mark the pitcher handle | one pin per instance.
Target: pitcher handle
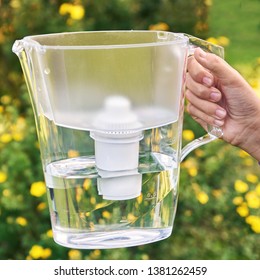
(213, 132)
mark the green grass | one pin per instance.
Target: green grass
(239, 20)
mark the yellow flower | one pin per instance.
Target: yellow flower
(256, 227)
(238, 200)
(145, 257)
(15, 4)
(251, 178)
(74, 254)
(86, 184)
(208, 2)
(77, 12)
(6, 138)
(46, 253)
(64, 8)
(199, 152)
(159, 26)
(38, 189)
(3, 177)
(217, 193)
(223, 41)
(106, 214)
(6, 193)
(95, 254)
(242, 210)
(188, 135)
(243, 154)
(140, 199)
(241, 186)
(79, 193)
(193, 171)
(73, 153)
(212, 40)
(6, 99)
(218, 219)
(253, 201)
(36, 251)
(253, 83)
(93, 200)
(257, 189)
(21, 221)
(41, 206)
(248, 162)
(254, 222)
(17, 136)
(252, 219)
(100, 205)
(131, 217)
(190, 162)
(49, 233)
(202, 197)
(191, 166)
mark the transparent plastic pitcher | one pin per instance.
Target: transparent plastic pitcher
(109, 112)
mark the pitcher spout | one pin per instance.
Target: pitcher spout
(18, 48)
(21, 49)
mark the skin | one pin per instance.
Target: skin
(218, 95)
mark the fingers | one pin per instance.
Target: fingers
(202, 91)
(205, 110)
(199, 73)
(202, 118)
(214, 64)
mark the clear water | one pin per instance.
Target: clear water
(82, 218)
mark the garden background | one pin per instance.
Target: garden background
(218, 213)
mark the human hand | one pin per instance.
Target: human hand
(218, 95)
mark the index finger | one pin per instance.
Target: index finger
(198, 73)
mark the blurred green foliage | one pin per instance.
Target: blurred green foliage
(218, 216)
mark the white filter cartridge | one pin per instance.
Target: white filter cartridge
(117, 137)
(119, 185)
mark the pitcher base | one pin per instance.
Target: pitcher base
(114, 239)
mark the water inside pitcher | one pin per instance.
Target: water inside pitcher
(109, 113)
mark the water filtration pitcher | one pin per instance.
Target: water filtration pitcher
(109, 109)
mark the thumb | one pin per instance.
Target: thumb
(216, 65)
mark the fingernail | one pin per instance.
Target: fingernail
(207, 81)
(215, 96)
(221, 113)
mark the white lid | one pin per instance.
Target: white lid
(117, 116)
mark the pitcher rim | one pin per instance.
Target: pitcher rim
(180, 38)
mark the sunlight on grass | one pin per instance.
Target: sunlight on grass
(240, 22)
